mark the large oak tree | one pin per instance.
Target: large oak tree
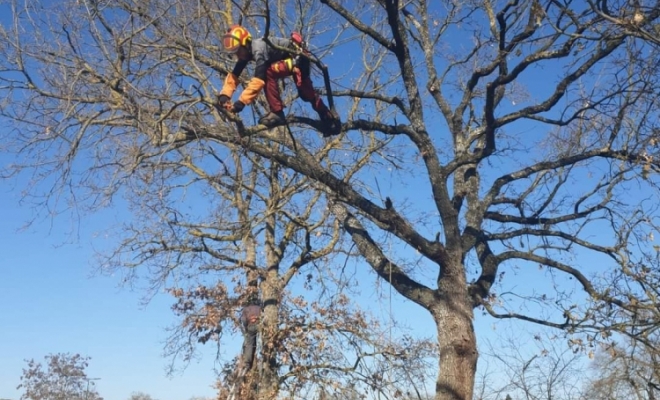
(480, 139)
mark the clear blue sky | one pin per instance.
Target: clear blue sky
(50, 303)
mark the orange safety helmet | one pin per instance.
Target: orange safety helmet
(236, 37)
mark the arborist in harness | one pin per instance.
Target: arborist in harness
(272, 64)
(249, 319)
(250, 323)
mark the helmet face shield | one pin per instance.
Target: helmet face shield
(236, 37)
(230, 43)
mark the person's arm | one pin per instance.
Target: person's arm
(231, 80)
(260, 57)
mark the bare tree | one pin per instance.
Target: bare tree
(140, 396)
(62, 378)
(497, 202)
(627, 371)
(546, 369)
(213, 224)
(529, 128)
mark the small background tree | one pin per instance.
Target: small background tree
(63, 377)
(626, 371)
(140, 396)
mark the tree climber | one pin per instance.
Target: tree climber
(272, 64)
(250, 323)
(250, 326)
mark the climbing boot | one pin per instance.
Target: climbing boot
(331, 124)
(273, 119)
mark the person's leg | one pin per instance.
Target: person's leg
(249, 346)
(272, 89)
(306, 91)
(274, 73)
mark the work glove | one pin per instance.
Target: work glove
(222, 99)
(237, 107)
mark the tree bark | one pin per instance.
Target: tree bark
(453, 315)
(268, 381)
(450, 305)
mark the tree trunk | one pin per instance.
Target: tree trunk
(453, 315)
(269, 380)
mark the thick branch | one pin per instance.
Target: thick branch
(384, 267)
